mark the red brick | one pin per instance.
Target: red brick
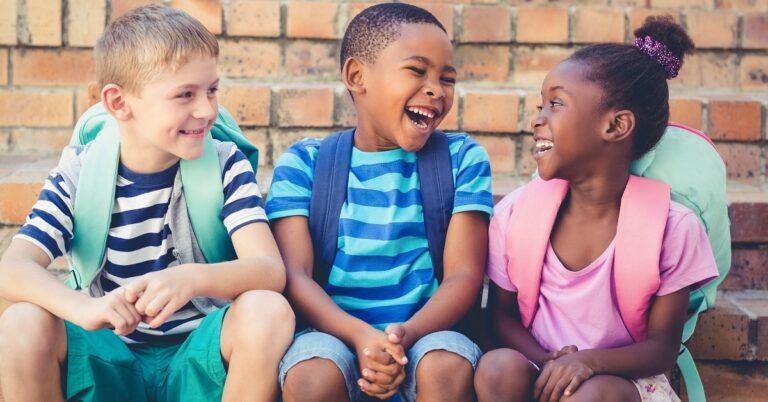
(254, 18)
(120, 7)
(721, 333)
(743, 5)
(501, 152)
(85, 21)
(754, 73)
(36, 109)
(749, 270)
(3, 66)
(637, 17)
(312, 60)
(677, 4)
(483, 63)
(734, 119)
(593, 25)
(312, 20)
(733, 381)
(531, 19)
(282, 139)
(84, 100)
(53, 67)
(249, 104)
(44, 22)
(708, 70)
(749, 220)
(8, 22)
(246, 59)
(491, 111)
(451, 120)
(712, 29)
(353, 9)
(443, 13)
(14, 209)
(527, 163)
(40, 141)
(686, 111)
(260, 138)
(532, 65)
(755, 34)
(305, 107)
(742, 161)
(346, 115)
(486, 24)
(208, 12)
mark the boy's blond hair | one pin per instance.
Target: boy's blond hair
(139, 45)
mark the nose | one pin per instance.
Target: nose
(434, 91)
(538, 120)
(206, 108)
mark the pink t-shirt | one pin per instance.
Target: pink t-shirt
(579, 308)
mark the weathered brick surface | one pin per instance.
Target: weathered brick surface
(676, 4)
(596, 25)
(735, 119)
(686, 111)
(722, 333)
(501, 151)
(250, 105)
(531, 19)
(8, 19)
(749, 269)
(254, 18)
(44, 22)
(532, 65)
(53, 67)
(36, 109)
(451, 120)
(749, 222)
(638, 15)
(443, 13)
(260, 138)
(486, 24)
(312, 20)
(249, 59)
(4, 66)
(305, 107)
(742, 161)
(491, 111)
(208, 12)
(707, 70)
(712, 29)
(743, 5)
(312, 60)
(755, 33)
(85, 21)
(732, 382)
(120, 7)
(482, 63)
(754, 73)
(40, 141)
(345, 115)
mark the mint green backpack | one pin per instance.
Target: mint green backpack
(687, 160)
(202, 187)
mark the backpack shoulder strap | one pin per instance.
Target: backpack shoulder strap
(329, 191)
(639, 236)
(437, 194)
(528, 232)
(92, 210)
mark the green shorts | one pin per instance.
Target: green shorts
(101, 367)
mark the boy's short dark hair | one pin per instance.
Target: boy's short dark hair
(376, 27)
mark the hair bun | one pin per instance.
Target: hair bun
(664, 29)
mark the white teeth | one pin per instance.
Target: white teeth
(543, 146)
(422, 111)
(420, 124)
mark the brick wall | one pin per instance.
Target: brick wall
(280, 71)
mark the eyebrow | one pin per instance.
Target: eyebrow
(186, 86)
(426, 61)
(556, 87)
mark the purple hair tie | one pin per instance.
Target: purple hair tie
(659, 52)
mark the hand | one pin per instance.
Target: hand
(382, 375)
(398, 335)
(561, 377)
(157, 295)
(109, 311)
(562, 352)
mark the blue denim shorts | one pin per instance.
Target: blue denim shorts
(321, 345)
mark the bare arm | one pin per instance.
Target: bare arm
(508, 329)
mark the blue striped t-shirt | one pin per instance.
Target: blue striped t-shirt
(382, 272)
(140, 239)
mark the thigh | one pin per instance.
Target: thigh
(100, 366)
(449, 341)
(196, 371)
(606, 388)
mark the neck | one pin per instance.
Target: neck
(598, 195)
(369, 140)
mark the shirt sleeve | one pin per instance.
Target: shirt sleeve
(242, 198)
(291, 189)
(473, 177)
(496, 266)
(686, 256)
(49, 225)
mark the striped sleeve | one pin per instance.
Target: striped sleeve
(473, 176)
(291, 189)
(49, 225)
(242, 199)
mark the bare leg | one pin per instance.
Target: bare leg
(605, 388)
(504, 375)
(444, 376)
(315, 380)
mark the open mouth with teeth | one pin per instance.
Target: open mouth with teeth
(422, 117)
(195, 132)
(542, 146)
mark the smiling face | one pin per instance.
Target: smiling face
(171, 115)
(569, 127)
(404, 95)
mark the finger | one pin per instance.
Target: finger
(546, 393)
(395, 333)
(117, 322)
(541, 381)
(378, 356)
(131, 317)
(376, 377)
(134, 289)
(557, 391)
(390, 369)
(371, 389)
(146, 297)
(573, 385)
(166, 313)
(397, 352)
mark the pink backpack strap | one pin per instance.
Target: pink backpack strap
(528, 231)
(639, 235)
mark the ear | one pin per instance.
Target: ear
(621, 124)
(113, 98)
(352, 75)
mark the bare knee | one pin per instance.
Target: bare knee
(315, 380)
(449, 370)
(503, 374)
(31, 333)
(262, 314)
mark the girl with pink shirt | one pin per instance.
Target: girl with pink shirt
(602, 108)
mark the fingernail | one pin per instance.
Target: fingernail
(405, 360)
(366, 352)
